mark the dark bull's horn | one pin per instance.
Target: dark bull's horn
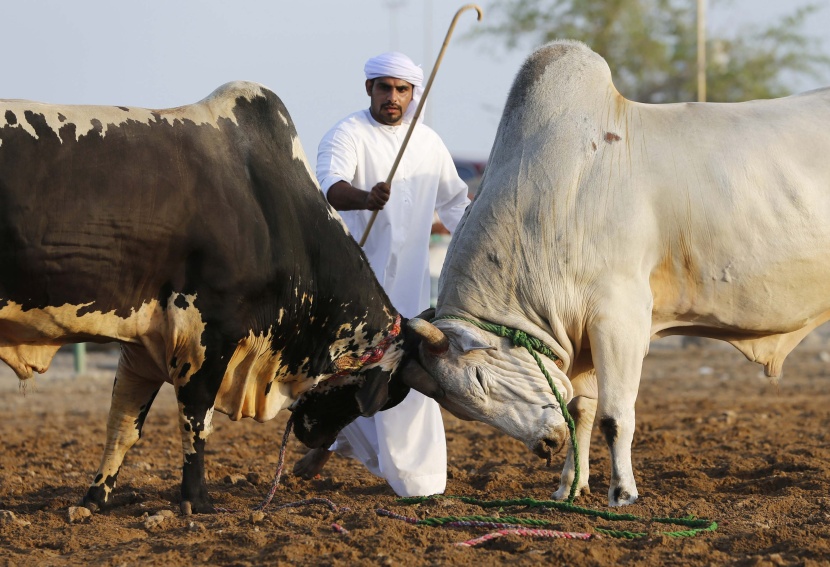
(434, 340)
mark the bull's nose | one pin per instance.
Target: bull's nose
(552, 444)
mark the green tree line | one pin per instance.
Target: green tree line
(651, 46)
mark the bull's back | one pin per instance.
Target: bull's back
(741, 194)
(102, 209)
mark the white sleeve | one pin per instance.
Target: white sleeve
(336, 159)
(452, 198)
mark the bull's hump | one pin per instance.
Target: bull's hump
(71, 122)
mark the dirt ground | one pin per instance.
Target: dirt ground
(714, 440)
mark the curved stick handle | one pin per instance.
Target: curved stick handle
(421, 106)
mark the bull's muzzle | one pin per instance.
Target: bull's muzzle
(549, 446)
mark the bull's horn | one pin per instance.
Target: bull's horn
(434, 339)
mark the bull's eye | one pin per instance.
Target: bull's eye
(482, 381)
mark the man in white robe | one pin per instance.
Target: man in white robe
(406, 444)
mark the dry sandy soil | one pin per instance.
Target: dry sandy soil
(714, 440)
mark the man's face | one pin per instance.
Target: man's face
(390, 99)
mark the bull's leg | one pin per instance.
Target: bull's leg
(196, 423)
(196, 395)
(618, 343)
(132, 395)
(583, 410)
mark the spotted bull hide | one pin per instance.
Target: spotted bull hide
(198, 238)
(602, 224)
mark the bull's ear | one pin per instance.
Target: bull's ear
(373, 394)
(467, 341)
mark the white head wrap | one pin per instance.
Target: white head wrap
(397, 65)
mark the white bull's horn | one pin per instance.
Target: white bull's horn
(434, 339)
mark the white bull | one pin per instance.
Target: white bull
(603, 223)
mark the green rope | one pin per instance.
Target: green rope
(534, 346)
(491, 519)
(696, 525)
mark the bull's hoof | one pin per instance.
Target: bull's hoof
(619, 496)
(312, 463)
(190, 507)
(94, 499)
(565, 490)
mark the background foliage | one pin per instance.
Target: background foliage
(651, 46)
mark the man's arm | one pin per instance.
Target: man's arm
(343, 197)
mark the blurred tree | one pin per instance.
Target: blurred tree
(651, 46)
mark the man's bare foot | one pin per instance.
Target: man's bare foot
(312, 463)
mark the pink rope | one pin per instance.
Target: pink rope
(388, 514)
(275, 483)
(339, 529)
(332, 506)
(280, 464)
(526, 532)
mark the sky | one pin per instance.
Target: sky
(163, 53)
